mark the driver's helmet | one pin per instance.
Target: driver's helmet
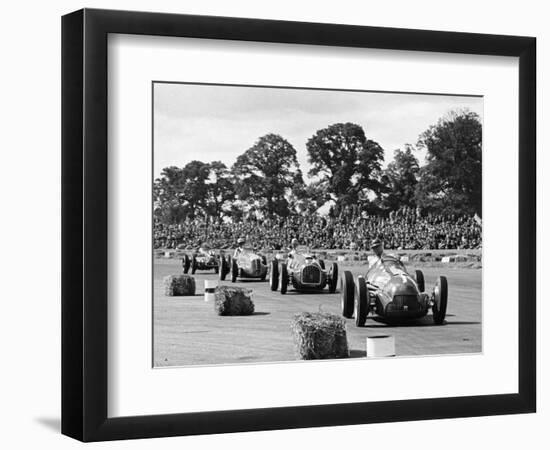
(375, 243)
(240, 241)
(294, 243)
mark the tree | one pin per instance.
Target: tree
(219, 189)
(196, 189)
(400, 180)
(309, 198)
(450, 182)
(169, 202)
(193, 187)
(266, 173)
(346, 162)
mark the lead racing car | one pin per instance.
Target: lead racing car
(247, 264)
(206, 260)
(304, 272)
(389, 291)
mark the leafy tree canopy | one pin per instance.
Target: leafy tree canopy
(450, 182)
(400, 180)
(266, 173)
(345, 161)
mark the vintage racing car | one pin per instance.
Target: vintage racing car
(248, 264)
(304, 271)
(392, 293)
(200, 261)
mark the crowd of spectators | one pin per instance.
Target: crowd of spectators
(405, 229)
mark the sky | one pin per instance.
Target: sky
(218, 123)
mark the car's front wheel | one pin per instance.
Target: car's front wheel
(234, 270)
(347, 294)
(274, 275)
(283, 277)
(194, 264)
(186, 263)
(420, 280)
(439, 308)
(333, 278)
(223, 268)
(362, 303)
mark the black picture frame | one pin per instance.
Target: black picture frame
(84, 224)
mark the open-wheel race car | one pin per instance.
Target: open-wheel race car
(247, 264)
(304, 272)
(200, 261)
(390, 292)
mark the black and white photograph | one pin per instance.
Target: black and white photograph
(298, 224)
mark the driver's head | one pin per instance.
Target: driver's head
(377, 246)
(294, 243)
(240, 242)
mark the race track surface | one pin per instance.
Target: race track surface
(187, 331)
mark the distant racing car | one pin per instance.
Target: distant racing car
(389, 291)
(200, 261)
(304, 272)
(248, 264)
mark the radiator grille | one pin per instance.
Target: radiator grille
(410, 301)
(256, 266)
(311, 274)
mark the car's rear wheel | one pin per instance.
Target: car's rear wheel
(283, 278)
(194, 264)
(419, 276)
(234, 270)
(439, 308)
(223, 267)
(347, 294)
(186, 263)
(362, 303)
(274, 275)
(333, 278)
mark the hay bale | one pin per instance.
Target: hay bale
(233, 301)
(320, 336)
(176, 285)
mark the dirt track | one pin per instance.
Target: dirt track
(188, 332)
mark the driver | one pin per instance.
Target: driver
(240, 247)
(293, 246)
(204, 249)
(377, 246)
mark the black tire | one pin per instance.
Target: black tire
(347, 294)
(234, 270)
(186, 263)
(223, 268)
(322, 264)
(274, 275)
(420, 280)
(194, 265)
(333, 280)
(439, 308)
(362, 302)
(283, 277)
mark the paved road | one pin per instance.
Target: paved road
(187, 331)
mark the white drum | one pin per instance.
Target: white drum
(380, 346)
(209, 290)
